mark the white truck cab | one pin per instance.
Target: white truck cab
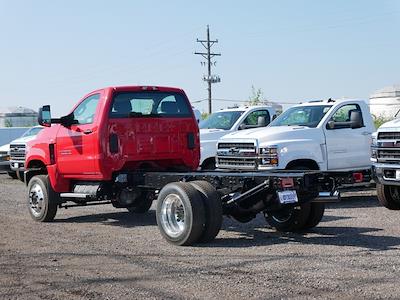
(386, 164)
(320, 135)
(226, 121)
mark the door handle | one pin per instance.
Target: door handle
(88, 131)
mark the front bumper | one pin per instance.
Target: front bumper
(387, 174)
(5, 166)
(17, 165)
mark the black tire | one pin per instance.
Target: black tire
(143, 205)
(12, 174)
(388, 196)
(180, 213)
(317, 211)
(42, 200)
(289, 218)
(209, 165)
(213, 210)
(20, 175)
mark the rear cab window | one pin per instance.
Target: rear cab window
(153, 104)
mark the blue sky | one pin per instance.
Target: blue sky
(54, 52)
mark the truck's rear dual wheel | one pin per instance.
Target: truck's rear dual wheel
(189, 212)
(213, 209)
(388, 196)
(180, 213)
(42, 199)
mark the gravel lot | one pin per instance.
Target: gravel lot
(103, 253)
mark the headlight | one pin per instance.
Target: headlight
(374, 145)
(374, 141)
(268, 156)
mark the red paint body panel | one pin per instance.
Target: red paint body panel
(82, 152)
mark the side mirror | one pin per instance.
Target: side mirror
(44, 117)
(356, 119)
(262, 121)
(331, 125)
(68, 120)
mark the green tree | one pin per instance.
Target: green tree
(256, 97)
(8, 123)
(379, 120)
(204, 115)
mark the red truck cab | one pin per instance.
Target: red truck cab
(116, 129)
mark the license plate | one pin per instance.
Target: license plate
(398, 174)
(15, 165)
(286, 197)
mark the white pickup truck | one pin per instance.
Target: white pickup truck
(386, 164)
(320, 135)
(226, 121)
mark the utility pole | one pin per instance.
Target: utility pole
(207, 44)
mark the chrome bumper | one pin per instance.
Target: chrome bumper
(386, 173)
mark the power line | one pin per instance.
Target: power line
(207, 44)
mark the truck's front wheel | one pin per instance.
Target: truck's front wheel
(388, 196)
(42, 200)
(180, 213)
(289, 218)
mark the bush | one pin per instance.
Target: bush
(378, 121)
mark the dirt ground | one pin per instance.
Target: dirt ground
(100, 252)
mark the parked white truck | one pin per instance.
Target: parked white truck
(227, 121)
(386, 164)
(319, 135)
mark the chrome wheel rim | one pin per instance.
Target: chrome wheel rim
(173, 216)
(36, 200)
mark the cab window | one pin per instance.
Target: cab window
(252, 118)
(343, 113)
(84, 113)
(149, 104)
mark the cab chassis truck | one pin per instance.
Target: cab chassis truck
(128, 146)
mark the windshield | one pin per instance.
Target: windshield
(32, 131)
(309, 116)
(221, 120)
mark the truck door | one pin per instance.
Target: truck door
(347, 148)
(77, 145)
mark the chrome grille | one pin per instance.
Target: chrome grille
(236, 155)
(237, 163)
(249, 146)
(389, 136)
(388, 147)
(17, 152)
(389, 155)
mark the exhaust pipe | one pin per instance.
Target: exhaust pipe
(328, 197)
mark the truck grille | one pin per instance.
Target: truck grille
(237, 155)
(389, 136)
(389, 155)
(17, 152)
(248, 146)
(388, 147)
